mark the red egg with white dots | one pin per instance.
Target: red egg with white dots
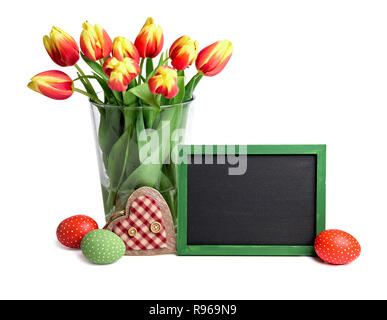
(71, 231)
(337, 247)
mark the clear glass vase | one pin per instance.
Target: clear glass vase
(136, 147)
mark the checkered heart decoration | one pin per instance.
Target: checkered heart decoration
(146, 226)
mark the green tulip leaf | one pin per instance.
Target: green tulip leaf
(148, 174)
(109, 96)
(180, 96)
(129, 99)
(142, 91)
(149, 67)
(130, 121)
(95, 66)
(104, 139)
(109, 130)
(161, 62)
(190, 87)
(149, 117)
(117, 159)
(140, 128)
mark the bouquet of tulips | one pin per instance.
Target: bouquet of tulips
(138, 97)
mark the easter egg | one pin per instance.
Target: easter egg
(337, 247)
(71, 231)
(102, 247)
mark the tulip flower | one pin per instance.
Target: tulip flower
(150, 40)
(61, 47)
(120, 72)
(164, 82)
(212, 59)
(123, 48)
(95, 42)
(53, 84)
(183, 52)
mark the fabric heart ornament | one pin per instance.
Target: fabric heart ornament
(144, 229)
(146, 226)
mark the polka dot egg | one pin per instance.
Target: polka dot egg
(337, 247)
(71, 231)
(102, 247)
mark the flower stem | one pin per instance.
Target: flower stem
(141, 65)
(95, 99)
(158, 98)
(82, 77)
(111, 199)
(80, 70)
(85, 78)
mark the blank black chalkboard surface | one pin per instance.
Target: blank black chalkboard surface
(250, 200)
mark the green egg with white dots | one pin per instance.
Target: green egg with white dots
(102, 247)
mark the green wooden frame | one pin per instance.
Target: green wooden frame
(249, 250)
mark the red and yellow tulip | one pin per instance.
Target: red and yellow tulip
(61, 47)
(95, 42)
(123, 48)
(212, 59)
(183, 52)
(150, 40)
(164, 82)
(122, 62)
(120, 72)
(53, 84)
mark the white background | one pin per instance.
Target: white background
(302, 72)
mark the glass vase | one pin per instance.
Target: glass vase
(136, 147)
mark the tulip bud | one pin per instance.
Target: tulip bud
(164, 82)
(123, 48)
(120, 72)
(61, 47)
(95, 42)
(212, 59)
(150, 40)
(53, 84)
(183, 52)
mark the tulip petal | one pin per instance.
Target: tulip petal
(181, 61)
(213, 59)
(164, 82)
(53, 84)
(150, 40)
(95, 42)
(183, 52)
(61, 47)
(123, 48)
(116, 82)
(54, 93)
(120, 72)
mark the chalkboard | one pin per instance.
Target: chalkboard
(275, 206)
